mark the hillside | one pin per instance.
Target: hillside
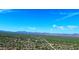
(32, 41)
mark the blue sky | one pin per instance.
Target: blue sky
(40, 20)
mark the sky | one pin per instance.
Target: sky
(40, 20)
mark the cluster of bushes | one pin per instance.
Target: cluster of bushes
(12, 41)
(22, 42)
(64, 43)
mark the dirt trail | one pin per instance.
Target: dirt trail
(49, 44)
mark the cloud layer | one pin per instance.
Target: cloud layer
(31, 28)
(68, 27)
(68, 16)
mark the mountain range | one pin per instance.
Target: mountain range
(38, 33)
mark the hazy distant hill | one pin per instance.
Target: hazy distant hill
(38, 33)
(23, 40)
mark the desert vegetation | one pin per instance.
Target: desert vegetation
(14, 41)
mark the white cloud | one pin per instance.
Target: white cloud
(61, 27)
(54, 25)
(57, 27)
(68, 27)
(72, 27)
(68, 16)
(31, 28)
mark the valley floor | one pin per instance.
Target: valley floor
(38, 42)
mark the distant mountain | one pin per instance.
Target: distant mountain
(34, 33)
(48, 34)
(38, 33)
